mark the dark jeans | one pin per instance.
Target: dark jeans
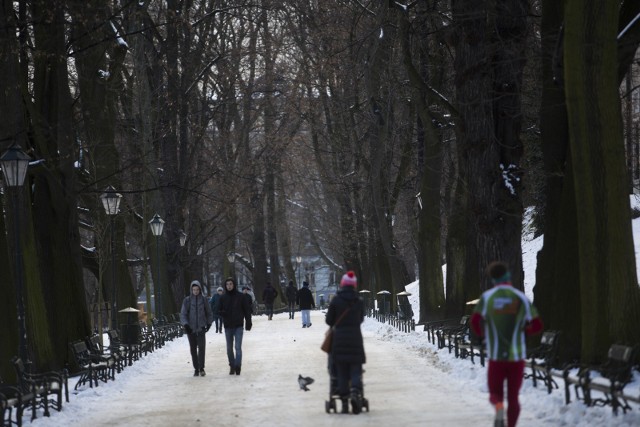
(269, 309)
(234, 334)
(292, 309)
(217, 319)
(197, 344)
(349, 374)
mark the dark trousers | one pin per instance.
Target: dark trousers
(269, 309)
(218, 322)
(197, 344)
(292, 309)
(349, 374)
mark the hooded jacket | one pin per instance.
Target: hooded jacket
(196, 312)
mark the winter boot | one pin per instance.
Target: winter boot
(232, 370)
(202, 373)
(345, 405)
(237, 370)
(356, 401)
(196, 373)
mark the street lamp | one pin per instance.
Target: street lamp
(183, 241)
(156, 225)
(231, 256)
(111, 203)
(14, 164)
(299, 261)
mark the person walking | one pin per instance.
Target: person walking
(269, 295)
(213, 302)
(292, 297)
(345, 314)
(504, 316)
(196, 318)
(235, 309)
(248, 293)
(305, 300)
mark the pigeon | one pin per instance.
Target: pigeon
(303, 382)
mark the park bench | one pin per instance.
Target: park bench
(446, 334)
(176, 329)
(603, 384)
(112, 355)
(90, 370)
(432, 326)
(147, 339)
(40, 390)
(131, 349)
(468, 344)
(542, 361)
(11, 406)
(629, 394)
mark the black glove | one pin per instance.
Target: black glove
(248, 326)
(207, 328)
(187, 329)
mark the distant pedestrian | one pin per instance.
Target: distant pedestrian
(292, 296)
(248, 293)
(235, 309)
(345, 314)
(269, 295)
(196, 317)
(213, 302)
(306, 303)
(508, 317)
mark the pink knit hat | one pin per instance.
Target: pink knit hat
(349, 279)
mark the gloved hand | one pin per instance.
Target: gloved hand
(187, 329)
(248, 326)
(207, 328)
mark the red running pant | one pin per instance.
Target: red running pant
(512, 372)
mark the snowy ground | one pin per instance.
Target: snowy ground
(408, 382)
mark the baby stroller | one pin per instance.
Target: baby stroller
(331, 405)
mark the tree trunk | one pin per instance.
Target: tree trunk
(608, 283)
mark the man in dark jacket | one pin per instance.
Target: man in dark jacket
(292, 296)
(306, 303)
(268, 297)
(196, 317)
(235, 309)
(345, 314)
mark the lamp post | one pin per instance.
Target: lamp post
(183, 241)
(14, 164)
(156, 225)
(299, 261)
(111, 203)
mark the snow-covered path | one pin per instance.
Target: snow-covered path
(407, 383)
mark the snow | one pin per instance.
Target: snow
(408, 382)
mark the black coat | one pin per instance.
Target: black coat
(305, 299)
(235, 308)
(347, 346)
(269, 294)
(292, 294)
